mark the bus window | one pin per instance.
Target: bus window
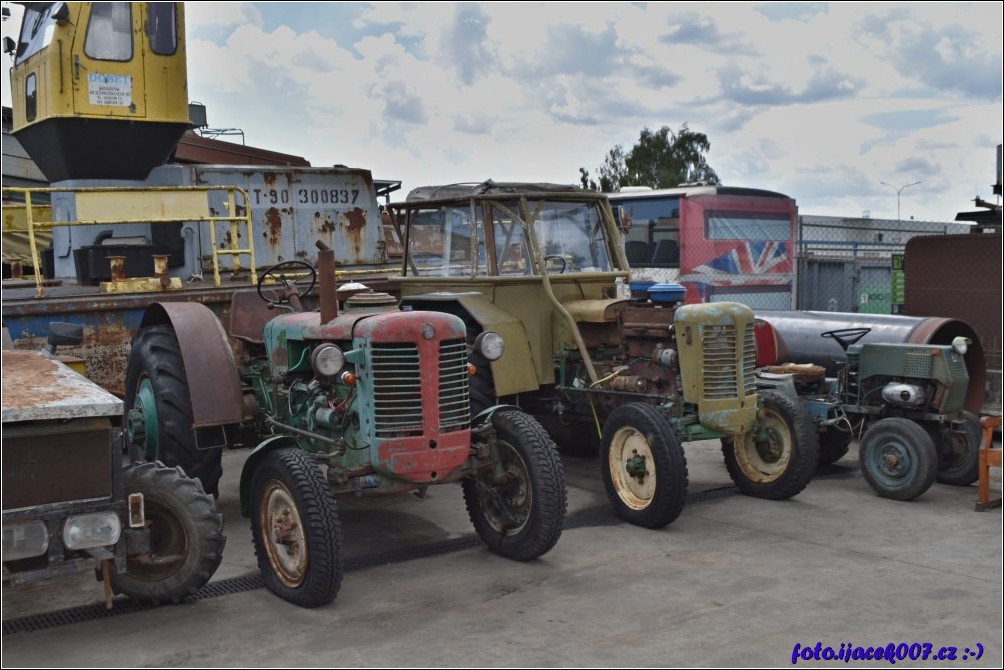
(109, 32)
(653, 235)
(725, 225)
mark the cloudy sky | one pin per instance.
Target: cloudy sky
(821, 101)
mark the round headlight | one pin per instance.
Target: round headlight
(490, 345)
(961, 345)
(327, 360)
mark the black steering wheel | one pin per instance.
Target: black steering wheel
(845, 337)
(276, 273)
(557, 257)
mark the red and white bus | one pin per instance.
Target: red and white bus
(722, 243)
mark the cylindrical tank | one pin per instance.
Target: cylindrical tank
(800, 334)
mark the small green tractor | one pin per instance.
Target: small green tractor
(904, 403)
(630, 375)
(365, 399)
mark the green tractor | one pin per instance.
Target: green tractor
(628, 375)
(358, 401)
(904, 403)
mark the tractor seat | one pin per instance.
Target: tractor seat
(249, 314)
(804, 373)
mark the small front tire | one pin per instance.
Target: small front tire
(898, 458)
(518, 506)
(643, 465)
(295, 528)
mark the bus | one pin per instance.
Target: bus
(722, 243)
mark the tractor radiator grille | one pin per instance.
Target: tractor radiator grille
(722, 379)
(397, 389)
(454, 398)
(917, 365)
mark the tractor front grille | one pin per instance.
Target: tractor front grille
(454, 397)
(398, 408)
(397, 389)
(722, 378)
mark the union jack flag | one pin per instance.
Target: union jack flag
(748, 258)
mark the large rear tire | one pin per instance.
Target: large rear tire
(295, 528)
(643, 466)
(898, 458)
(159, 406)
(778, 458)
(186, 536)
(833, 445)
(518, 507)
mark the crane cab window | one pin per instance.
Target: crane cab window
(109, 32)
(37, 29)
(161, 28)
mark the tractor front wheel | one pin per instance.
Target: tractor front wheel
(186, 536)
(898, 458)
(643, 466)
(518, 506)
(295, 528)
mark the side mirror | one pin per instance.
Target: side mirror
(65, 334)
(9, 45)
(61, 13)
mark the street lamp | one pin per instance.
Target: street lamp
(898, 191)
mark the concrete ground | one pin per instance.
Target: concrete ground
(734, 582)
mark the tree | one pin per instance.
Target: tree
(660, 159)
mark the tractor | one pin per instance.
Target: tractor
(903, 402)
(356, 398)
(629, 374)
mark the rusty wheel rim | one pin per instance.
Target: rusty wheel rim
(765, 460)
(282, 533)
(507, 499)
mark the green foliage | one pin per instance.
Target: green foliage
(660, 159)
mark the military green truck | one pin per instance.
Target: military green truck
(633, 375)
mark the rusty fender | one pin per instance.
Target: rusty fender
(210, 369)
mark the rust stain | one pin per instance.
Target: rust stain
(269, 178)
(273, 220)
(357, 223)
(324, 224)
(239, 210)
(30, 380)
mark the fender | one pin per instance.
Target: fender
(210, 369)
(485, 415)
(271, 444)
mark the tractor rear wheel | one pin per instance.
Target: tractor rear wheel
(158, 408)
(962, 468)
(778, 458)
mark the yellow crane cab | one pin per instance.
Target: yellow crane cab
(99, 89)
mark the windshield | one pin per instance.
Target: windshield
(450, 240)
(37, 28)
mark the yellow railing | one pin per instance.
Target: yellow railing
(162, 204)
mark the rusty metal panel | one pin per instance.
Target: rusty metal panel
(36, 388)
(292, 208)
(959, 277)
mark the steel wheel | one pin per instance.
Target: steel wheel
(630, 462)
(898, 458)
(285, 544)
(762, 455)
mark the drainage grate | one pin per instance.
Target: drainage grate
(225, 587)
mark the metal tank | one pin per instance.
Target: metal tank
(800, 335)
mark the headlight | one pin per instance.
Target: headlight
(327, 360)
(961, 345)
(85, 531)
(24, 540)
(490, 345)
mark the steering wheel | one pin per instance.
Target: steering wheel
(279, 278)
(557, 257)
(845, 337)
